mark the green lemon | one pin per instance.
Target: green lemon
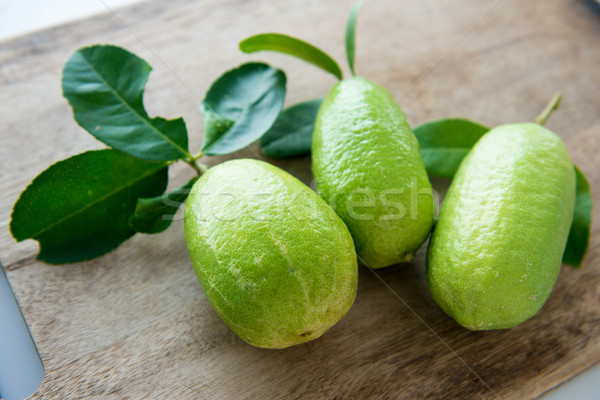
(274, 260)
(367, 166)
(497, 248)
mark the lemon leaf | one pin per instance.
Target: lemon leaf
(351, 35)
(579, 235)
(78, 208)
(444, 143)
(155, 214)
(291, 134)
(292, 46)
(105, 87)
(241, 106)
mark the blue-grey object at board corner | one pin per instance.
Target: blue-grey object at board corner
(21, 369)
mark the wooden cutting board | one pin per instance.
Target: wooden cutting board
(135, 323)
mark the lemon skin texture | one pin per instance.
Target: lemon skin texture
(274, 260)
(497, 247)
(367, 166)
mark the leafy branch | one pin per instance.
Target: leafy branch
(87, 205)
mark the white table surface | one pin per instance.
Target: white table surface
(18, 17)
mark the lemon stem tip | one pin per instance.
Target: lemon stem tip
(553, 105)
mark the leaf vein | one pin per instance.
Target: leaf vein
(93, 203)
(145, 121)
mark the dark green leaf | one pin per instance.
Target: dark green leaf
(105, 87)
(291, 134)
(351, 35)
(241, 106)
(78, 208)
(579, 236)
(155, 214)
(292, 46)
(444, 144)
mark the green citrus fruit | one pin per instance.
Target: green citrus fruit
(274, 260)
(367, 166)
(497, 248)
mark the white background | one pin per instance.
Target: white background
(23, 16)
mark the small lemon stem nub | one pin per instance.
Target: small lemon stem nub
(554, 104)
(198, 167)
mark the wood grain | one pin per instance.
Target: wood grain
(135, 323)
